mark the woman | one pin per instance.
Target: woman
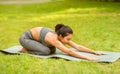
(44, 41)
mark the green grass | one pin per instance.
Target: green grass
(96, 25)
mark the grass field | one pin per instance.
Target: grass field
(96, 26)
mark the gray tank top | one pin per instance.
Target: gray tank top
(43, 33)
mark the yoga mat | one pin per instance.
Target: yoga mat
(109, 57)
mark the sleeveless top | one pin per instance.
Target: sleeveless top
(43, 33)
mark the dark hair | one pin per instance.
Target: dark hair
(63, 30)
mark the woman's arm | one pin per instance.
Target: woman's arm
(83, 49)
(60, 46)
(53, 40)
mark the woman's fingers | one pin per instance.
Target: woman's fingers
(94, 59)
(100, 53)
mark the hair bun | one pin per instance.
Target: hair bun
(58, 26)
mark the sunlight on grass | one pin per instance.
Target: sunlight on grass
(71, 12)
(95, 25)
(81, 10)
(101, 35)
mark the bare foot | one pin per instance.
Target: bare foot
(23, 50)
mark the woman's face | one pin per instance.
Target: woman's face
(66, 39)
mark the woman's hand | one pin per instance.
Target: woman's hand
(99, 53)
(93, 59)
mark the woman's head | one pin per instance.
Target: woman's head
(64, 33)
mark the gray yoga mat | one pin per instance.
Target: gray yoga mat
(109, 57)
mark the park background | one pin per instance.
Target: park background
(96, 25)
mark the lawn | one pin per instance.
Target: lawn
(96, 25)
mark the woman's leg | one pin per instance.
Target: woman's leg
(33, 46)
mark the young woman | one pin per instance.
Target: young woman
(44, 41)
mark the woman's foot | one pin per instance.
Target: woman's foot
(23, 50)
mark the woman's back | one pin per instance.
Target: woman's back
(36, 33)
